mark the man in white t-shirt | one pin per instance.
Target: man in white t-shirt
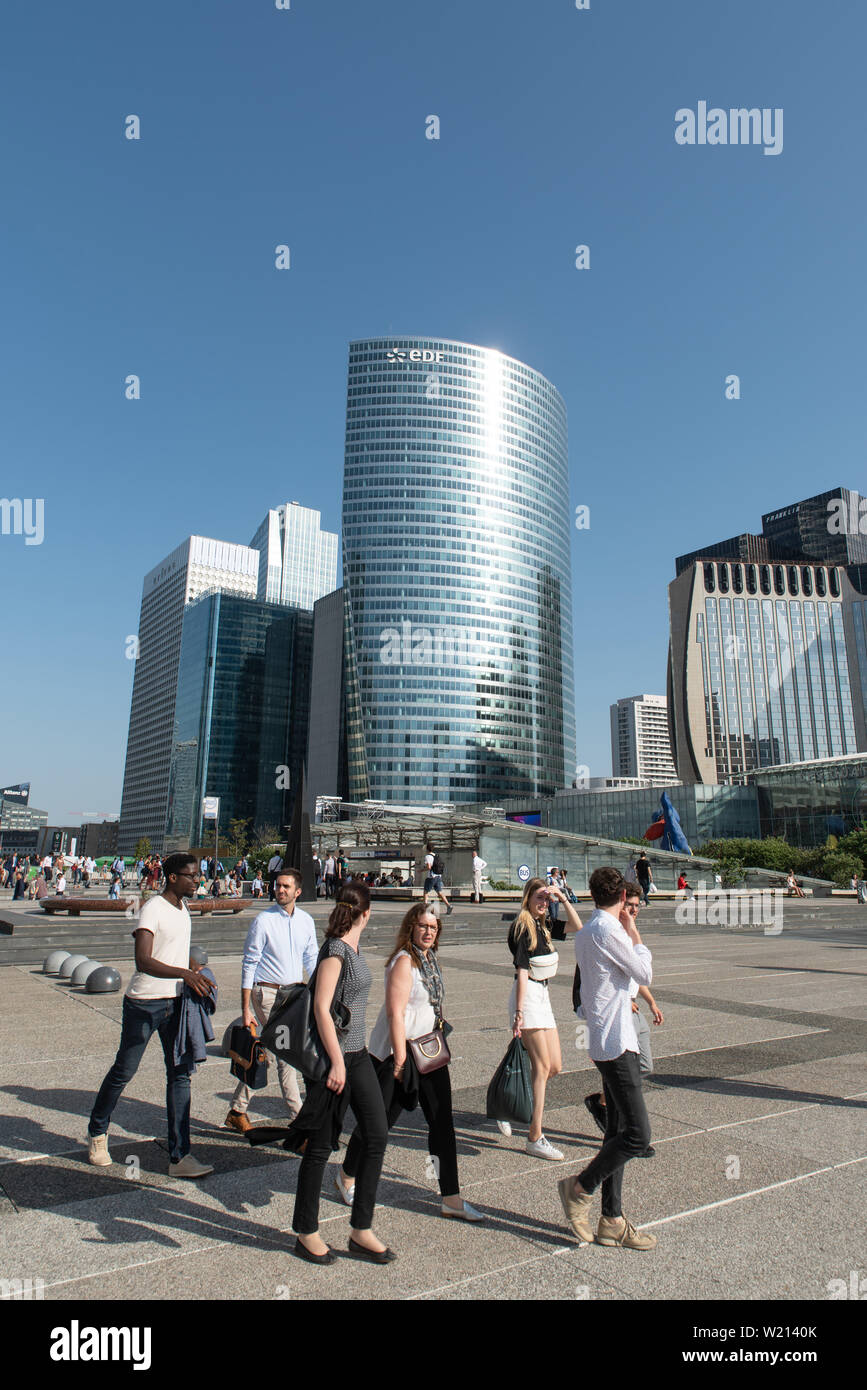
(152, 1004)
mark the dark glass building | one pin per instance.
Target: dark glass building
(241, 714)
(457, 575)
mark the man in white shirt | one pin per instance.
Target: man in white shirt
(152, 1003)
(479, 866)
(610, 956)
(280, 946)
(275, 863)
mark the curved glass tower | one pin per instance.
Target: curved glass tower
(456, 568)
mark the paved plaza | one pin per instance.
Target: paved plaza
(757, 1107)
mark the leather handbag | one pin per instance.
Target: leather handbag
(249, 1059)
(291, 1032)
(430, 1051)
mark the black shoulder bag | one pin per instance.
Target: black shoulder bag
(291, 1032)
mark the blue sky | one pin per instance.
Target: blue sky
(307, 127)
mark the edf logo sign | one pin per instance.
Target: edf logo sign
(413, 355)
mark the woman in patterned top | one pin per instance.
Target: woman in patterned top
(352, 1078)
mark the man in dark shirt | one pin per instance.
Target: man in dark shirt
(644, 874)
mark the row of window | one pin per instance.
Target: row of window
(769, 579)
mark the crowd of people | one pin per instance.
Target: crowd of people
(404, 1063)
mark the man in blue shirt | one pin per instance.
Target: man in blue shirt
(280, 947)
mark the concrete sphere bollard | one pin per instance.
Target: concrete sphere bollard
(81, 972)
(53, 962)
(103, 980)
(199, 955)
(69, 965)
(227, 1036)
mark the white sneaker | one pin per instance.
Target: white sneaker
(97, 1150)
(504, 1127)
(540, 1148)
(189, 1167)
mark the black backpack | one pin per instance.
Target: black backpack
(437, 867)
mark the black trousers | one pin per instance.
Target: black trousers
(363, 1092)
(627, 1130)
(435, 1099)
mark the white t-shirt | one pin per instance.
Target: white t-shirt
(428, 861)
(172, 928)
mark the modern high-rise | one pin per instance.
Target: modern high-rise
(241, 714)
(196, 567)
(768, 649)
(457, 575)
(640, 741)
(298, 560)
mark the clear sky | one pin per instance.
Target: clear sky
(306, 127)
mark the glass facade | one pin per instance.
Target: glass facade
(456, 536)
(706, 812)
(241, 714)
(775, 674)
(805, 805)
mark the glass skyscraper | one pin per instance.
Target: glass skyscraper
(298, 560)
(241, 714)
(456, 569)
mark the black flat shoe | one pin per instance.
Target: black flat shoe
(597, 1110)
(300, 1249)
(649, 1152)
(376, 1257)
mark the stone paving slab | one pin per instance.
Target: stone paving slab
(754, 1026)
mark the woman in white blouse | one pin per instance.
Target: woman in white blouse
(413, 1008)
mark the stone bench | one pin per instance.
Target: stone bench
(75, 906)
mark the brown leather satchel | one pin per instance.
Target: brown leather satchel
(431, 1051)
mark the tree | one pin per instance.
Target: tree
(143, 849)
(841, 868)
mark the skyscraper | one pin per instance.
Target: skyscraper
(298, 560)
(195, 567)
(457, 575)
(241, 714)
(765, 656)
(640, 742)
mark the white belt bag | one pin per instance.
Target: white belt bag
(544, 967)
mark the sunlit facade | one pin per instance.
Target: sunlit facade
(456, 565)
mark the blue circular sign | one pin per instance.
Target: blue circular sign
(523, 872)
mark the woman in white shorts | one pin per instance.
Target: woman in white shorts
(530, 1014)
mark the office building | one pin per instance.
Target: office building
(241, 715)
(196, 567)
(640, 742)
(20, 823)
(297, 560)
(457, 577)
(768, 659)
(327, 769)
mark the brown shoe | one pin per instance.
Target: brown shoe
(238, 1121)
(577, 1210)
(616, 1230)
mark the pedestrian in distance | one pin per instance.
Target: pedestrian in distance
(479, 866)
(434, 870)
(152, 1004)
(610, 956)
(644, 875)
(413, 1008)
(530, 1014)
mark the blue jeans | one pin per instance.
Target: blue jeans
(141, 1019)
(627, 1130)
